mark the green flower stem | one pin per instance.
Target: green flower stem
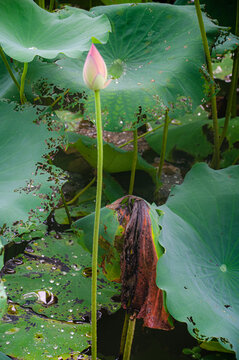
(51, 6)
(24, 73)
(66, 207)
(141, 136)
(42, 4)
(81, 192)
(134, 162)
(4, 59)
(124, 333)
(164, 144)
(129, 339)
(216, 156)
(96, 225)
(59, 98)
(233, 86)
(230, 95)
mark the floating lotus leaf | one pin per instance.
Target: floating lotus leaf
(200, 267)
(26, 335)
(54, 279)
(26, 30)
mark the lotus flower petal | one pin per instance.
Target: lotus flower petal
(95, 70)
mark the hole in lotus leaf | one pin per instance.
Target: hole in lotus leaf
(227, 306)
(12, 309)
(87, 272)
(43, 297)
(29, 249)
(191, 320)
(8, 270)
(12, 331)
(38, 336)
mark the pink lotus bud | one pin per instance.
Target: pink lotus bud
(95, 70)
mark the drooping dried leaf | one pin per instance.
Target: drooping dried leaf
(140, 294)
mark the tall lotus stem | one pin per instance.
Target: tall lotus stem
(233, 86)
(134, 162)
(216, 155)
(23, 77)
(95, 77)
(164, 144)
(4, 59)
(129, 339)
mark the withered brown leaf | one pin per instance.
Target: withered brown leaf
(140, 294)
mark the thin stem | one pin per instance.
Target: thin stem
(141, 136)
(216, 156)
(235, 161)
(129, 339)
(233, 86)
(51, 6)
(124, 333)
(81, 192)
(59, 98)
(4, 59)
(134, 162)
(66, 207)
(42, 4)
(23, 77)
(230, 95)
(164, 144)
(96, 224)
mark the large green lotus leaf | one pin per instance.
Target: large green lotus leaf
(155, 55)
(200, 267)
(55, 280)
(26, 335)
(22, 145)
(191, 137)
(115, 159)
(26, 30)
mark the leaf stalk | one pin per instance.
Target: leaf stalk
(164, 144)
(129, 339)
(233, 86)
(216, 155)
(134, 162)
(23, 77)
(4, 59)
